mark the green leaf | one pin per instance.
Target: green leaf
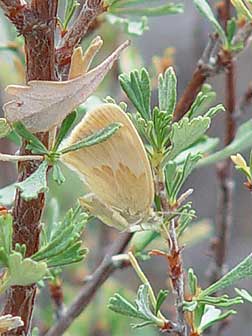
(204, 145)
(242, 9)
(185, 133)
(35, 184)
(162, 295)
(120, 305)
(205, 10)
(231, 29)
(241, 271)
(93, 139)
(141, 240)
(143, 303)
(7, 195)
(64, 129)
(23, 272)
(167, 91)
(168, 9)
(138, 89)
(70, 8)
(192, 281)
(57, 174)
(202, 102)
(34, 143)
(175, 175)
(6, 233)
(211, 316)
(63, 244)
(130, 27)
(239, 144)
(5, 128)
(244, 294)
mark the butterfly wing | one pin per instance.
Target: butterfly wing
(117, 170)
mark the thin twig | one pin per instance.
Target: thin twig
(174, 259)
(101, 274)
(89, 12)
(214, 60)
(15, 158)
(224, 170)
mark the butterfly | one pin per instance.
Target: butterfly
(116, 171)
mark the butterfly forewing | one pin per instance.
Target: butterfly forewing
(117, 170)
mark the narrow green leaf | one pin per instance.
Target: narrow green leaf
(205, 10)
(162, 295)
(167, 91)
(6, 233)
(240, 143)
(244, 294)
(64, 129)
(93, 139)
(35, 183)
(211, 316)
(33, 141)
(192, 281)
(138, 89)
(57, 174)
(242, 9)
(241, 271)
(168, 9)
(122, 306)
(130, 27)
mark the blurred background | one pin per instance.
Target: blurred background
(181, 39)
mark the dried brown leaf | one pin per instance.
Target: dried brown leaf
(80, 63)
(42, 105)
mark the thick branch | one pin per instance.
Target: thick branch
(89, 12)
(102, 273)
(37, 24)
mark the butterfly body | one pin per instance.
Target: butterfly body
(117, 171)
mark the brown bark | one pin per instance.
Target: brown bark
(38, 30)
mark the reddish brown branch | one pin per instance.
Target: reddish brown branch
(198, 79)
(88, 14)
(37, 24)
(224, 171)
(214, 60)
(102, 273)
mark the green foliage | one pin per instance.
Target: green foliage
(243, 9)
(5, 128)
(7, 195)
(70, 7)
(185, 133)
(175, 175)
(64, 129)
(239, 144)
(162, 295)
(205, 10)
(93, 139)
(141, 310)
(138, 89)
(18, 271)
(241, 271)
(139, 9)
(34, 144)
(167, 91)
(35, 184)
(61, 244)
